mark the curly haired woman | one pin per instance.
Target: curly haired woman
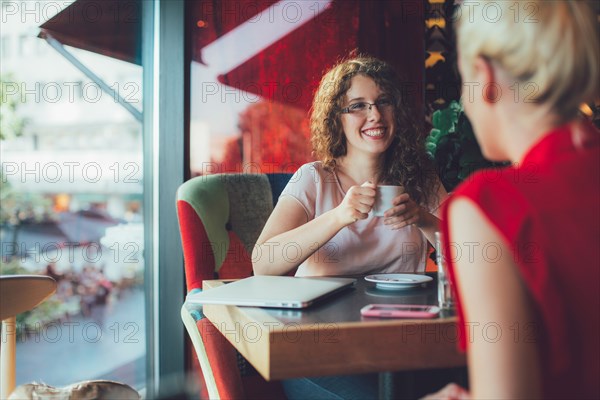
(363, 135)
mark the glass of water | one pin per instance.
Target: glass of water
(445, 297)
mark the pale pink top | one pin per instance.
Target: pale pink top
(367, 246)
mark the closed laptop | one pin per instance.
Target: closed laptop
(272, 291)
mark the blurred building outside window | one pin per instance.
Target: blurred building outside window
(72, 204)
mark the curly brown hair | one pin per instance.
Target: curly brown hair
(405, 161)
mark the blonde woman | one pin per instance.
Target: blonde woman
(528, 296)
(363, 135)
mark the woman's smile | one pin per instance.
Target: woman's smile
(375, 133)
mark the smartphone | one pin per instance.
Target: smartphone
(399, 311)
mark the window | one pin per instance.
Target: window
(72, 207)
(5, 50)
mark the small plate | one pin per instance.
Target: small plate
(398, 281)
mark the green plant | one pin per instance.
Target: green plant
(11, 124)
(453, 147)
(12, 267)
(34, 320)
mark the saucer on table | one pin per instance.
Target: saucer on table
(398, 281)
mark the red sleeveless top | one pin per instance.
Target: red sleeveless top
(548, 211)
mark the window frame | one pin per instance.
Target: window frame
(164, 170)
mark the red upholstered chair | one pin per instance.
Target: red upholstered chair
(220, 219)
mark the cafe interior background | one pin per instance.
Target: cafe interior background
(108, 106)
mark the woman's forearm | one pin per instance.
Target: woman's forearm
(272, 256)
(429, 224)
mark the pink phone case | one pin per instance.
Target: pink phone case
(399, 311)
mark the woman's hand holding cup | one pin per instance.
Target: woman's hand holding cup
(357, 203)
(396, 206)
(405, 211)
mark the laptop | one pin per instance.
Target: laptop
(272, 291)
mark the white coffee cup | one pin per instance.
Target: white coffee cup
(384, 198)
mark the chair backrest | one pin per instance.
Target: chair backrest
(220, 219)
(18, 293)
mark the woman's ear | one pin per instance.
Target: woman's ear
(486, 76)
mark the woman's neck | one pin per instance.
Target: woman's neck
(359, 169)
(529, 132)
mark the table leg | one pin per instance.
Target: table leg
(396, 385)
(7, 356)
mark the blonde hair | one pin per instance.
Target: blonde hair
(550, 48)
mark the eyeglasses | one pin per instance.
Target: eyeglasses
(362, 107)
